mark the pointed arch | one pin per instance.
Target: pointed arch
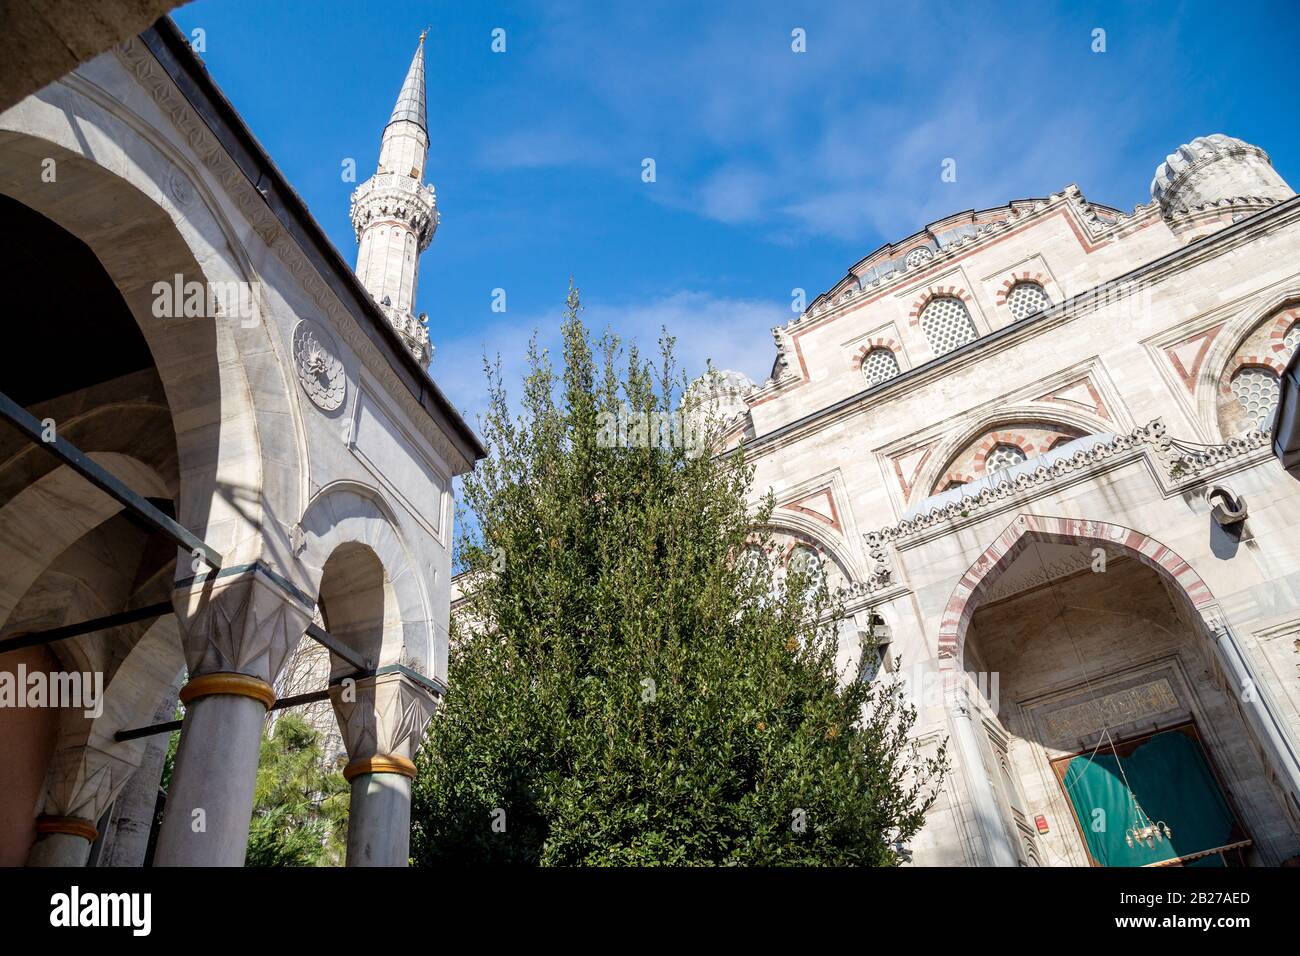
(144, 212)
(1229, 351)
(1022, 532)
(1007, 420)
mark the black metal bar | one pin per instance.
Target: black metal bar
(298, 700)
(137, 732)
(53, 634)
(284, 703)
(105, 481)
(329, 641)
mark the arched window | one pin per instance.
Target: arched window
(955, 483)
(947, 324)
(1291, 339)
(1003, 456)
(805, 561)
(1256, 388)
(1026, 298)
(879, 365)
(917, 256)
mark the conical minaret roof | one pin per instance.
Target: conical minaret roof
(410, 102)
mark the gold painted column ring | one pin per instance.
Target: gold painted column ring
(234, 685)
(379, 763)
(74, 826)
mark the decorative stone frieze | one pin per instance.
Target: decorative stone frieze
(1179, 460)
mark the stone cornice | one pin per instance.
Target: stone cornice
(1093, 230)
(1098, 231)
(1182, 465)
(1218, 243)
(141, 63)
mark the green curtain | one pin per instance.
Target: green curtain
(1169, 774)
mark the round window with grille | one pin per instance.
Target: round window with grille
(947, 324)
(879, 365)
(1026, 298)
(1256, 388)
(1002, 457)
(917, 256)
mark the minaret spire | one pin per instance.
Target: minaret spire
(410, 102)
(395, 214)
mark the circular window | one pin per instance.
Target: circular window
(947, 324)
(879, 366)
(918, 255)
(804, 561)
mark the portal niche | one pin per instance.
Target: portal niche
(1152, 800)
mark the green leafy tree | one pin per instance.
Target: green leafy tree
(300, 806)
(627, 685)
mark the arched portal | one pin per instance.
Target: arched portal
(1110, 690)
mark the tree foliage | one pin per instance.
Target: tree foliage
(300, 806)
(623, 689)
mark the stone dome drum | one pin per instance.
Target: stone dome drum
(1212, 169)
(721, 393)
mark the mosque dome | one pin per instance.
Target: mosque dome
(721, 393)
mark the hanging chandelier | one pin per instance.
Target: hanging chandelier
(1143, 830)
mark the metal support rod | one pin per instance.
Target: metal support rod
(137, 732)
(105, 481)
(284, 703)
(53, 634)
(333, 644)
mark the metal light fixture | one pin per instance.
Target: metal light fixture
(1143, 830)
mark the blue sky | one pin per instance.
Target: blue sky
(775, 169)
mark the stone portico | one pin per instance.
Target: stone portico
(281, 416)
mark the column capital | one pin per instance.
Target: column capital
(241, 623)
(83, 780)
(383, 716)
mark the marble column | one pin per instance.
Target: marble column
(237, 633)
(382, 719)
(993, 844)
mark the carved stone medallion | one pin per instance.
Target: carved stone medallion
(315, 355)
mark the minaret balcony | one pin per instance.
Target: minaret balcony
(392, 196)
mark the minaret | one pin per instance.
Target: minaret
(395, 214)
